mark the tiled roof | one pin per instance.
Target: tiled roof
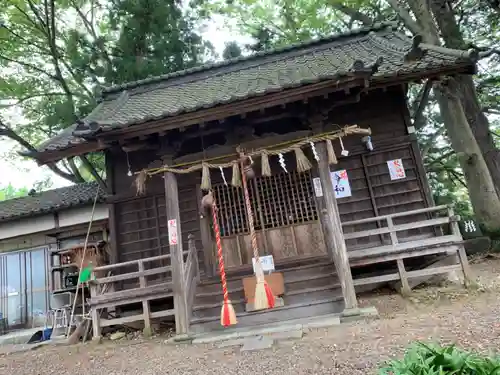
(242, 78)
(50, 201)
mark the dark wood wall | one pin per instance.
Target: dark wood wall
(141, 229)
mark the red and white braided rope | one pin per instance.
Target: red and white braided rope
(222, 272)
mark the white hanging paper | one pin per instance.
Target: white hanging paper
(396, 169)
(222, 175)
(267, 263)
(172, 232)
(314, 151)
(318, 189)
(341, 184)
(282, 161)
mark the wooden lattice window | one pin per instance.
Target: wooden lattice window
(280, 200)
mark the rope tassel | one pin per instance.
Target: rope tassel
(227, 315)
(236, 179)
(332, 158)
(266, 167)
(264, 297)
(303, 163)
(206, 183)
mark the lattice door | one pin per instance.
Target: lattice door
(285, 217)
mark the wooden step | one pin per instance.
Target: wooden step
(304, 295)
(278, 314)
(293, 282)
(234, 283)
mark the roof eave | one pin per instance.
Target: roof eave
(171, 122)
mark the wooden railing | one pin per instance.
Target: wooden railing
(105, 296)
(398, 244)
(447, 240)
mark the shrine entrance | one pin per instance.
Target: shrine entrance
(285, 218)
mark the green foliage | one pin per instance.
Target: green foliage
(55, 55)
(10, 192)
(425, 359)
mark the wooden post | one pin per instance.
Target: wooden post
(405, 286)
(146, 313)
(324, 222)
(462, 256)
(334, 230)
(176, 254)
(96, 323)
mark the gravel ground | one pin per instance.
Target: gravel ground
(446, 314)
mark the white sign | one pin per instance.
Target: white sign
(396, 169)
(267, 263)
(341, 184)
(172, 232)
(318, 190)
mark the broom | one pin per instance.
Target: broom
(227, 315)
(264, 297)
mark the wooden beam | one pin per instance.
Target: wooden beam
(176, 252)
(334, 229)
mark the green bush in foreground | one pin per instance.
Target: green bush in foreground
(425, 359)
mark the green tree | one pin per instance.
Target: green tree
(10, 192)
(55, 54)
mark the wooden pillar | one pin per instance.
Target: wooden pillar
(176, 254)
(333, 230)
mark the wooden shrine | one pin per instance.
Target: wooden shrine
(364, 200)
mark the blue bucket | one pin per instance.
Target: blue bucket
(46, 333)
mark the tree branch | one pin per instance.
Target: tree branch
(93, 172)
(422, 103)
(406, 17)
(8, 132)
(29, 66)
(33, 96)
(351, 12)
(485, 52)
(74, 169)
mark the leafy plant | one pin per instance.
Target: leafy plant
(427, 359)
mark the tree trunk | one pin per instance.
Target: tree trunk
(482, 193)
(453, 38)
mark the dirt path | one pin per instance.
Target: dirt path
(436, 314)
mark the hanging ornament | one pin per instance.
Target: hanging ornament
(249, 172)
(344, 152)
(368, 142)
(314, 151)
(282, 162)
(129, 173)
(222, 175)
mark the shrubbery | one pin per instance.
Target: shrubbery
(425, 359)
